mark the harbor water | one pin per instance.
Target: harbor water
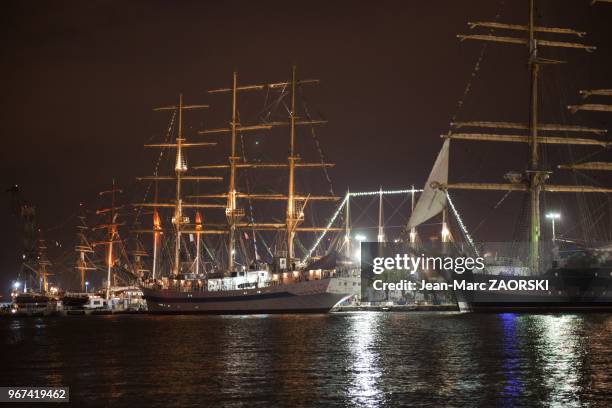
(356, 359)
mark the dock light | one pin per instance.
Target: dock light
(86, 286)
(361, 237)
(552, 216)
(16, 285)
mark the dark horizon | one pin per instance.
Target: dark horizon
(81, 79)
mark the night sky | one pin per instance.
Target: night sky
(79, 79)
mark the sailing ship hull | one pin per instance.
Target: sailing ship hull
(300, 297)
(34, 304)
(571, 289)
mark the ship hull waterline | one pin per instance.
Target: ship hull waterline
(301, 297)
(570, 290)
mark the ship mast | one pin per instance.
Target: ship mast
(413, 233)
(43, 264)
(536, 176)
(347, 225)
(180, 168)
(111, 230)
(292, 221)
(82, 248)
(381, 230)
(156, 235)
(231, 211)
(294, 213)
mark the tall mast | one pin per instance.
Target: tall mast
(535, 174)
(234, 214)
(156, 234)
(291, 221)
(413, 229)
(381, 231)
(82, 248)
(534, 179)
(179, 168)
(111, 229)
(347, 225)
(231, 194)
(43, 264)
(198, 230)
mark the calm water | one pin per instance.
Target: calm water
(357, 359)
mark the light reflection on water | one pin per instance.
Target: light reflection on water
(365, 370)
(562, 348)
(513, 385)
(353, 359)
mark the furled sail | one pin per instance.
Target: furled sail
(432, 200)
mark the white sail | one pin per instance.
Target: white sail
(433, 200)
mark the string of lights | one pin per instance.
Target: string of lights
(464, 229)
(343, 203)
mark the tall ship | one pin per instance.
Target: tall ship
(211, 253)
(578, 272)
(32, 293)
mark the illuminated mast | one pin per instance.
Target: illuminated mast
(231, 211)
(198, 232)
(180, 168)
(82, 248)
(533, 181)
(381, 230)
(347, 225)
(111, 230)
(292, 221)
(413, 233)
(294, 215)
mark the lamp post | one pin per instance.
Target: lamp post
(552, 216)
(86, 286)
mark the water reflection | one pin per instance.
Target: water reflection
(365, 370)
(561, 350)
(513, 385)
(353, 359)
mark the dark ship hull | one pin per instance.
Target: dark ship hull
(75, 300)
(299, 297)
(33, 304)
(567, 289)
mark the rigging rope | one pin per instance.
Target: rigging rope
(464, 230)
(157, 163)
(317, 143)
